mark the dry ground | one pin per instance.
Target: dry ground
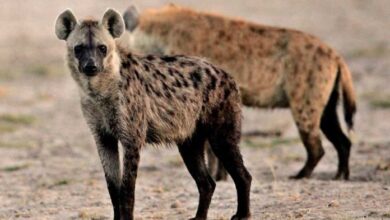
(49, 168)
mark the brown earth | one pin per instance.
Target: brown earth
(49, 167)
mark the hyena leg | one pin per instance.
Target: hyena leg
(221, 174)
(225, 146)
(131, 157)
(212, 161)
(215, 166)
(331, 127)
(307, 114)
(192, 152)
(108, 152)
(312, 142)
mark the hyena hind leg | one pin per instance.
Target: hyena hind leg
(331, 127)
(312, 142)
(215, 166)
(227, 151)
(192, 152)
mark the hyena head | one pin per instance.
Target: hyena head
(131, 18)
(135, 39)
(90, 43)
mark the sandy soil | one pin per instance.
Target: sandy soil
(49, 167)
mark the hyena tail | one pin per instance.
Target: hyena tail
(348, 93)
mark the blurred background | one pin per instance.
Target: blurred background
(49, 168)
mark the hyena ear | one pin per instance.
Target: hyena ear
(65, 24)
(114, 23)
(131, 18)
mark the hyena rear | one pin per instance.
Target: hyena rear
(137, 100)
(275, 68)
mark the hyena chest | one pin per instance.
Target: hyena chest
(101, 113)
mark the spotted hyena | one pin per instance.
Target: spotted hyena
(274, 67)
(149, 99)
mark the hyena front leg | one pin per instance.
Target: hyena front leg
(108, 152)
(131, 157)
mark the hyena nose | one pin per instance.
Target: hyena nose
(90, 69)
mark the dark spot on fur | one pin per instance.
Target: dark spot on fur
(213, 83)
(158, 72)
(179, 74)
(257, 30)
(320, 51)
(319, 67)
(146, 67)
(309, 46)
(170, 72)
(182, 64)
(170, 112)
(132, 60)
(150, 57)
(283, 30)
(168, 94)
(122, 73)
(158, 93)
(147, 89)
(185, 83)
(127, 83)
(208, 72)
(169, 59)
(225, 75)
(177, 83)
(182, 98)
(125, 65)
(205, 97)
(136, 74)
(215, 69)
(196, 78)
(226, 93)
(165, 86)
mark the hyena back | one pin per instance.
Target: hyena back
(148, 99)
(274, 67)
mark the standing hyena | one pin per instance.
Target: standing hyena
(275, 68)
(138, 100)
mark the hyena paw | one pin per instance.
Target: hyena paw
(197, 218)
(342, 175)
(235, 217)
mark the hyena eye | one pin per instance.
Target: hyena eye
(78, 49)
(103, 49)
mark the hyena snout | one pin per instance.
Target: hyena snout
(89, 67)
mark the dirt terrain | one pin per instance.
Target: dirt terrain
(49, 167)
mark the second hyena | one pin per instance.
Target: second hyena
(274, 67)
(148, 99)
